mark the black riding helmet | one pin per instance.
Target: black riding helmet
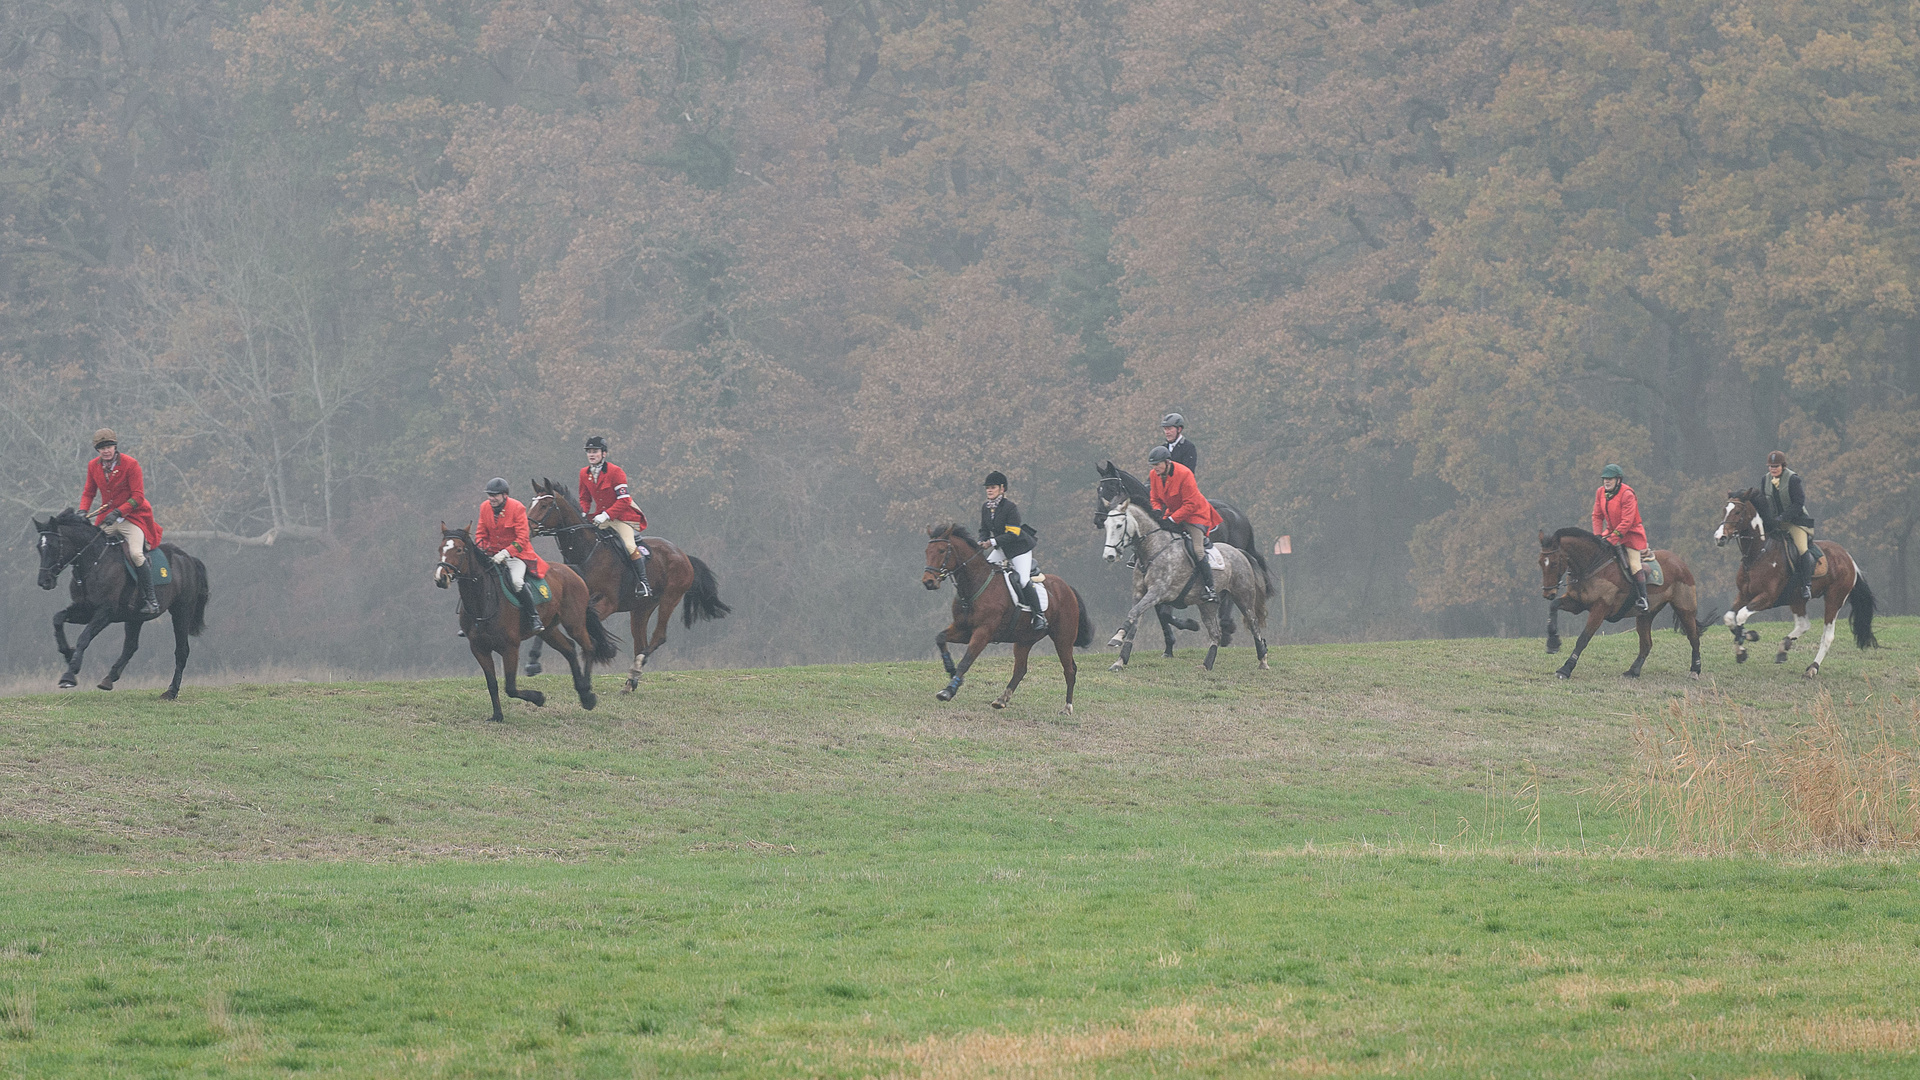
(996, 478)
(596, 442)
(497, 486)
(1158, 454)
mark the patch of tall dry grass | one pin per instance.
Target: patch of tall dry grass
(1710, 778)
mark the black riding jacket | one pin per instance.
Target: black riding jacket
(1002, 525)
(1789, 501)
(1184, 452)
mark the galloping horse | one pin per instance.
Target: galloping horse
(1763, 579)
(1235, 531)
(1598, 586)
(599, 558)
(983, 613)
(1168, 581)
(104, 592)
(492, 623)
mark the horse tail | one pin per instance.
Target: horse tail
(1266, 575)
(1085, 637)
(604, 646)
(197, 602)
(1260, 595)
(703, 599)
(1863, 603)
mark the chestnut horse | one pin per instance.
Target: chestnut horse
(493, 624)
(984, 612)
(1597, 586)
(1764, 578)
(598, 557)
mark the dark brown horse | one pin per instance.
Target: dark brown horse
(598, 557)
(1763, 581)
(104, 592)
(1598, 586)
(984, 612)
(493, 624)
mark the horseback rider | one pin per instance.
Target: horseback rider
(502, 532)
(1173, 427)
(1616, 520)
(1010, 543)
(604, 497)
(1173, 492)
(1787, 498)
(124, 511)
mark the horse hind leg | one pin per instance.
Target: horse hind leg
(1736, 621)
(1826, 642)
(579, 661)
(510, 662)
(1801, 624)
(533, 658)
(1019, 672)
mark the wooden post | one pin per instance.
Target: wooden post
(1283, 546)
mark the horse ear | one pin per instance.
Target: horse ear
(1543, 538)
(443, 528)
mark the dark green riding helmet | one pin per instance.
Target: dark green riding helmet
(1613, 472)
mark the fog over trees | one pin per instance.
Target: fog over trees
(1413, 273)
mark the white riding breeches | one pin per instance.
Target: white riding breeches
(516, 570)
(132, 537)
(1022, 563)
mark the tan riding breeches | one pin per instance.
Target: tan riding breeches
(623, 530)
(131, 535)
(1801, 538)
(1198, 534)
(1633, 561)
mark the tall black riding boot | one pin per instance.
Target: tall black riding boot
(148, 604)
(526, 598)
(640, 568)
(1640, 591)
(1806, 573)
(1031, 597)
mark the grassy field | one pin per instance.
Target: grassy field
(1383, 859)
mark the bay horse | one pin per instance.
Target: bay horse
(1169, 580)
(598, 558)
(1764, 578)
(1235, 531)
(104, 591)
(984, 612)
(1597, 585)
(493, 624)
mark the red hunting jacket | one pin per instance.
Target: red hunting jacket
(1617, 520)
(1178, 496)
(123, 489)
(608, 492)
(509, 530)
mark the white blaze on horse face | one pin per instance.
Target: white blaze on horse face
(1116, 533)
(1759, 526)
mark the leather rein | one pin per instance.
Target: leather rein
(941, 573)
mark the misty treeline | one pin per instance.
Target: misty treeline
(1413, 272)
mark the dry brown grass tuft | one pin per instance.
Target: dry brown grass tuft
(16, 1014)
(1709, 779)
(1831, 1034)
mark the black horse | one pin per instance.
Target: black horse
(1235, 531)
(104, 592)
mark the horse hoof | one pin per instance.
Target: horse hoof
(1629, 674)
(1000, 704)
(1780, 657)
(169, 695)
(1264, 666)
(105, 684)
(1813, 670)
(1117, 665)
(944, 695)
(496, 718)
(534, 669)
(535, 698)
(1694, 674)
(1068, 711)
(1168, 654)
(68, 684)
(1753, 635)
(1740, 657)
(1563, 676)
(1552, 647)
(588, 701)
(1113, 643)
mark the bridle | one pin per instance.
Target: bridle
(1567, 582)
(941, 572)
(473, 548)
(1132, 536)
(100, 537)
(553, 530)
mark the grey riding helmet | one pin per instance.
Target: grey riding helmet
(1174, 419)
(497, 486)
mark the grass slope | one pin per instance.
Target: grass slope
(1380, 859)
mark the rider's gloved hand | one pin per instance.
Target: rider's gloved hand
(600, 518)
(500, 556)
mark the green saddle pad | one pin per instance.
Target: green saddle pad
(1656, 575)
(535, 585)
(157, 568)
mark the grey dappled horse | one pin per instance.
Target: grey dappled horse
(1167, 578)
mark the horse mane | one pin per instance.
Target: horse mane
(952, 530)
(1575, 532)
(70, 516)
(1769, 525)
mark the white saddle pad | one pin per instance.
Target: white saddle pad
(1216, 558)
(1039, 589)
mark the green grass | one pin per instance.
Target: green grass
(1376, 859)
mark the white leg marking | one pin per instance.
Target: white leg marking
(1826, 639)
(1800, 625)
(1727, 619)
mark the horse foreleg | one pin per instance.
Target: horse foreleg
(533, 658)
(1165, 612)
(127, 649)
(71, 677)
(982, 637)
(1644, 624)
(1736, 621)
(60, 620)
(637, 629)
(1826, 638)
(1690, 622)
(1553, 626)
(579, 654)
(510, 660)
(484, 656)
(1063, 646)
(1594, 618)
(940, 642)
(1020, 651)
(1801, 624)
(1210, 620)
